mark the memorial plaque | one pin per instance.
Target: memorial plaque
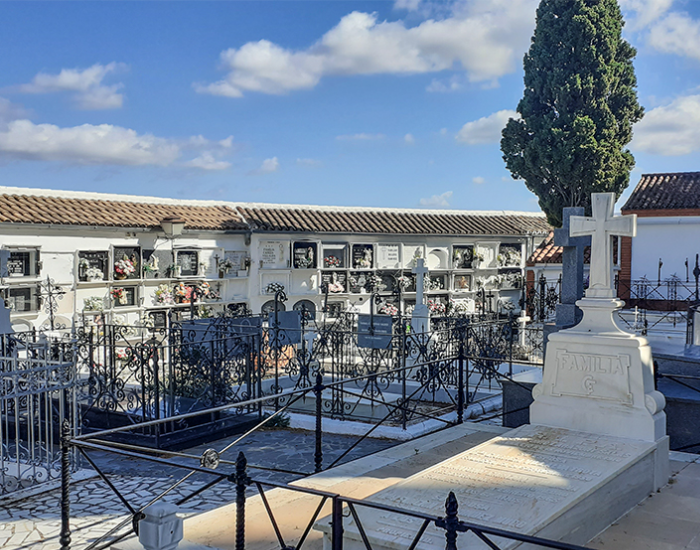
(288, 329)
(246, 326)
(188, 260)
(337, 281)
(335, 309)
(462, 256)
(305, 255)
(156, 263)
(462, 283)
(521, 481)
(411, 253)
(374, 331)
(388, 256)
(362, 256)
(509, 255)
(19, 265)
(160, 319)
(131, 255)
(388, 283)
(274, 255)
(359, 282)
(594, 376)
(238, 259)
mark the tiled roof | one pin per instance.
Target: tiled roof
(548, 253)
(17, 208)
(393, 221)
(679, 191)
(93, 209)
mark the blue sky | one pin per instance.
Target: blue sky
(396, 104)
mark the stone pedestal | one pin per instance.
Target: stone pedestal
(599, 379)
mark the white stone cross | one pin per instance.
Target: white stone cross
(420, 270)
(602, 227)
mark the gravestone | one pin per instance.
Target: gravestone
(5, 323)
(420, 318)
(568, 314)
(374, 331)
(595, 448)
(286, 331)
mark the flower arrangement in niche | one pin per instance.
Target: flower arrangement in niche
(376, 282)
(335, 286)
(119, 296)
(183, 293)
(151, 266)
(508, 257)
(93, 303)
(124, 267)
(403, 282)
(436, 307)
(331, 261)
(94, 274)
(430, 283)
(226, 265)
(164, 295)
(388, 309)
(121, 354)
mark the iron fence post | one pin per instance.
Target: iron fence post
(460, 379)
(318, 454)
(241, 484)
(451, 522)
(65, 485)
(337, 524)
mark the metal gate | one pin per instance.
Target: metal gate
(37, 391)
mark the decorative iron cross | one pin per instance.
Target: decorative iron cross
(420, 270)
(602, 227)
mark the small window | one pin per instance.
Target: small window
(188, 262)
(23, 263)
(22, 299)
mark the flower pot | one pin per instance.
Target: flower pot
(119, 276)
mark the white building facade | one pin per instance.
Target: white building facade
(68, 258)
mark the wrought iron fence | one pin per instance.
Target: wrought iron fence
(37, 392)
(218, 470)
(131, 374)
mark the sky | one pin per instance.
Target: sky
(383, 104)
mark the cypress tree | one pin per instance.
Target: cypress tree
(577, 111)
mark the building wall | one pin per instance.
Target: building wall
(59, 251)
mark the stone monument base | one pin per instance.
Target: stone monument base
(549, 482)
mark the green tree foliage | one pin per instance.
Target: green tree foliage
(577, 111)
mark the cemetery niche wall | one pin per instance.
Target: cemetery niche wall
(123, 266)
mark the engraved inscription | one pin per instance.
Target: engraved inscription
(593, 376)
(516, 481)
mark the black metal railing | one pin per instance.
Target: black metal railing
(236, 473)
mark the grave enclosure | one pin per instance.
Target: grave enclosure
(596, 445)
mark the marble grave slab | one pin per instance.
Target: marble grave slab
(551, 482)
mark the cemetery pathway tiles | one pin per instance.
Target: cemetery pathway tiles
(35, 521)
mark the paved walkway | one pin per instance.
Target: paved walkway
(35, 522)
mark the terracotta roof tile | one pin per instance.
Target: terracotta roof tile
(323, 220)
(548, 253)
(95, 212)
(673, 191)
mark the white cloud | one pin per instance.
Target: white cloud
(677, 33)
(90, 92)
(486, 129)
(206, 161)
(640, 13)
(478, 180)
(360, 137)
(485, 38)
(308, 162)
(268, 166)
(409, 5)
(409, 139)
(10, 111)
(453, 84)
(86, 144)
(670, 130)
(437, 201)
